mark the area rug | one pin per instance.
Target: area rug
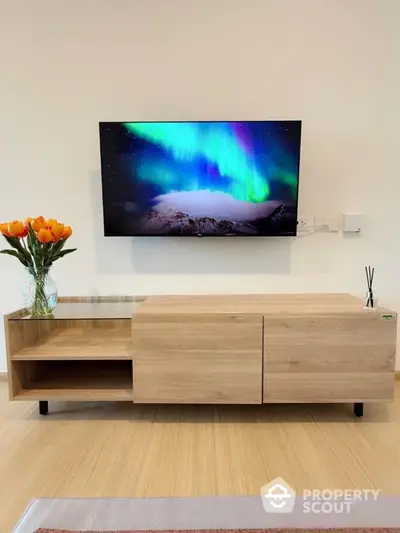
(288, 530)
(220, 514)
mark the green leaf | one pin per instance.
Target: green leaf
(15, 242)
(34, 246)
(58, 246)
(12, 241)
(17, 255)
(31, 237)
(47, 251)
(31, 240)
(64, 252)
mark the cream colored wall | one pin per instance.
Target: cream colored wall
(332, 63)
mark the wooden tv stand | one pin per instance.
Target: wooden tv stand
(233, 349)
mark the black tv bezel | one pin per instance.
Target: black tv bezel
(202, 235)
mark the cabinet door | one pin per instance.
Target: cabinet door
(197, 358)
(329, 358)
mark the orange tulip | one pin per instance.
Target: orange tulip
(4, 229)
(28, 222)
(51, 222)
(38, 223)
(57, 230)
(25, 232)
(16, 229)
(67, 232)
(44, 235)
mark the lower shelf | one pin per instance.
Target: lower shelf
(74, 380)
(72, 394)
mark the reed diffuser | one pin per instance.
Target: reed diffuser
(371, 301)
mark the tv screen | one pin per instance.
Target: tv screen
(200, 178)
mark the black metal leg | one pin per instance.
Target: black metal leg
(43, 408)
(359, 409)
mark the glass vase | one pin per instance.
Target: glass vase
(40, 292)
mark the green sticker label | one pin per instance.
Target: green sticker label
(387, 317)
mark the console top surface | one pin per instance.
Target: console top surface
(264, 304)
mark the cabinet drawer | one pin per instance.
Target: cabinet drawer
(197, 358)
(322, 357)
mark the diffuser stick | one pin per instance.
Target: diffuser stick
(370, 298)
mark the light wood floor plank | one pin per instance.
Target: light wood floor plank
(122, 450)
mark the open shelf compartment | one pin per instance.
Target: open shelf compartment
(73, 380)
(69, 340)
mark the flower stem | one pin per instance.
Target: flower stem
(40, 304)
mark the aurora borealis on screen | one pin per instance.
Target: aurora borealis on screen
(211, 178)
(220, 150)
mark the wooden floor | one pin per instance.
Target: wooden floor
(100, 450)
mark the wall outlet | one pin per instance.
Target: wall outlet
(352, 222)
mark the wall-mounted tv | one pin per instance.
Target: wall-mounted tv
(200, 178)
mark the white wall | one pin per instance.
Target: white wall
(333, 63)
